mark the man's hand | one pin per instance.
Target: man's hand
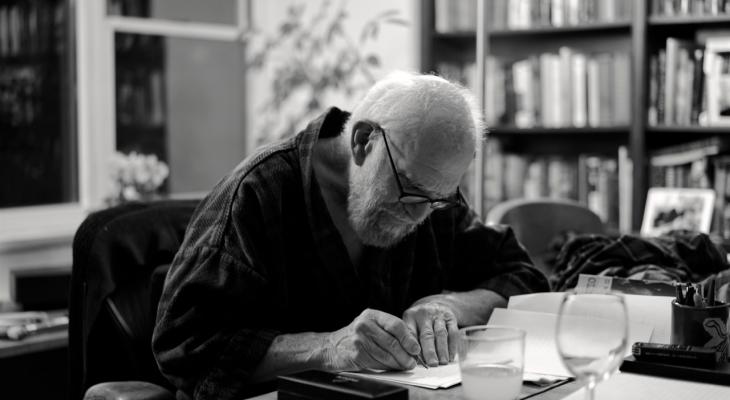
(436, 327)
(373, 340)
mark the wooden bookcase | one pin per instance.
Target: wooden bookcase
(36, 103)
(639, 36)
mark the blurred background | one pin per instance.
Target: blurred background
(610, 106)
(108, 101)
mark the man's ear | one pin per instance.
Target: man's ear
(359, 141)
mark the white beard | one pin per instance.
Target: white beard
(376, 223)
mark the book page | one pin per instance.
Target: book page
(541, 352)
(655, 311)
(627, 386)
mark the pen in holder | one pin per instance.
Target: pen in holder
(704, 325)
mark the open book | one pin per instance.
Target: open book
(537, 315)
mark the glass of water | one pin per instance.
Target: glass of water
(592, 335)
(491, 361)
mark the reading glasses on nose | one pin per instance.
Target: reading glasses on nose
(416, 198)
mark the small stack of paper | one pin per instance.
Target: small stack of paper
(443, 376)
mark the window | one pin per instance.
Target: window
(150, 75)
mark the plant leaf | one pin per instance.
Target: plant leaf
(397, 21)
(387, 13)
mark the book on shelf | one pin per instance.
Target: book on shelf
(527, 14)
(597, 181)
(678, 8)
(455, 16)
(677, 84)
(465, 73)
(556, 90)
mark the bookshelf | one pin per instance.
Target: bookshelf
(512, 31)
(36, 103)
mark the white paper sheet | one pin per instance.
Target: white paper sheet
(627, 386)
(541, 353)
(651, 310)
(443, 376)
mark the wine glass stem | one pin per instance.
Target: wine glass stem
(591, 389)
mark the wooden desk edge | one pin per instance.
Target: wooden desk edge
(33, 344)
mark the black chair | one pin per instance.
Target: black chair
(536, 222)
(120, 258)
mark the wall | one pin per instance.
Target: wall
(396, 46)
(205, 96)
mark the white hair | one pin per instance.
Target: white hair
(402, 102)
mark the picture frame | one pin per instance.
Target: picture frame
(677, 208)
(717, 75)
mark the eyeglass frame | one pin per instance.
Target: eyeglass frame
(435, 204)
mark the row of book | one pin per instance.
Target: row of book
(702, 164)
(455, 16)
(677, 92)
(527, 14)
(28, 27)
(600, 182)
(568, 89)
(689, 7)
(464, 73)
(140, 97)
(20, 94)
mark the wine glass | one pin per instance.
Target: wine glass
(592, 335)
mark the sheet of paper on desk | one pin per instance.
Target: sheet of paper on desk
(627, 386)
(541, 353)
(651, 310)
(443, 376)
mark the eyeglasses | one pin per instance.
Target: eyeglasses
(415, 198)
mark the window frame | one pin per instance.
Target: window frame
(96, 113)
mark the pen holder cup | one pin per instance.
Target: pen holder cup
(701, 326)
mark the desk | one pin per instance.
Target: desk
(456, 393)
(33, 344)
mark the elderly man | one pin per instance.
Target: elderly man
(346, 247)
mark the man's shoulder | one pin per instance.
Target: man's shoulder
(274, 158)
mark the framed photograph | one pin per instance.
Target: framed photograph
(717, 74)
(677, 208)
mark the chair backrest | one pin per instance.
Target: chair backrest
(537, 222)
(120, 259)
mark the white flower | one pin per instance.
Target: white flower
(136, 175)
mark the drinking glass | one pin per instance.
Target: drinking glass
(491, 361)
(592, 335)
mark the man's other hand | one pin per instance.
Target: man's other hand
(437, 329)
(374, 340)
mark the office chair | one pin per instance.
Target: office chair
(537, 222)
(120, 258)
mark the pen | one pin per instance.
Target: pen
(698, 299)
(711, 295)
(420, 361)
(680, 295)
(689, 297)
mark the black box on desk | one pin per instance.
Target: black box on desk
(41, 288)
(320, 385)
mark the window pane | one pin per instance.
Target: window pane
(37, 138)
(210, 11)
(182, 100)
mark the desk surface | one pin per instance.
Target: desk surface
(34, 343)
(456, 393)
